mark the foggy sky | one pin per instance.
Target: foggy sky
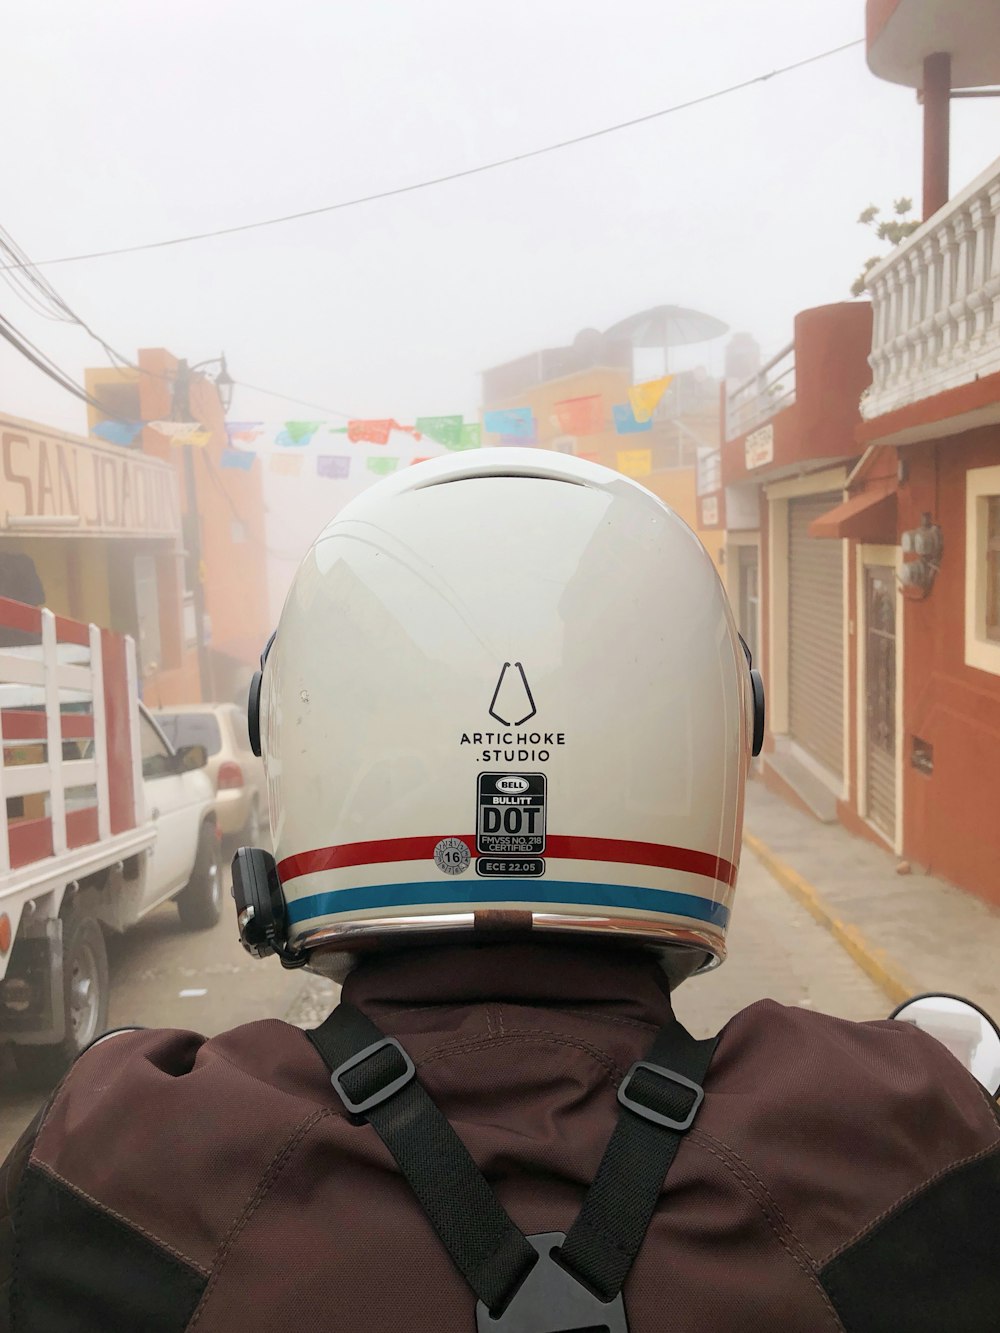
(127, 122)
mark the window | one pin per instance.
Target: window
(982, 569)
(157, 761)
(191, 729)
(993, 568)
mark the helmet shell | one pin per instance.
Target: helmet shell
(507, 692)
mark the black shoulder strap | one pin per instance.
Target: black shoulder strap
(660, 1096)
(376, 1081)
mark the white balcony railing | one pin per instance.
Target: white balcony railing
(709, 476)
(763, 395)
(936, 302)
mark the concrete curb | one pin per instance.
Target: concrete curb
(875, 963)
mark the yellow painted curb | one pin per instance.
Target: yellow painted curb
(875, 963)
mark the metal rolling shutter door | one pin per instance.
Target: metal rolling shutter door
(816, 634)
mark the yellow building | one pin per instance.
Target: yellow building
(571, 392)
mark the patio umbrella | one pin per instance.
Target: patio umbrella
(667, 326)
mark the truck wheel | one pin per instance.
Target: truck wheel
(199, 904)
(85, 998)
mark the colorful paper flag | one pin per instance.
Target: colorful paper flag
(645, 398)
(336, 466)
(443, 430)
(117, 432)
(514, 423)
(472, 436)
(197, 438)
(382, 466)
(369, 432)
(286, 465)
(418, 460)
(171, 429)
(296, 434)
(625, 422)
(635, 462)
(238, 459)
(244, 432)
(581, 416)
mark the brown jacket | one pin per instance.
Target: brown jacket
(838, 1176)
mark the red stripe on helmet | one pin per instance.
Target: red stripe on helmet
(617, 851)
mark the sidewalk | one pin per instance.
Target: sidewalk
(910, 933)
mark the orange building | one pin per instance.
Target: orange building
(578, 386)
(226, 522)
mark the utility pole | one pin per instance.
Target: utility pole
(192, 535)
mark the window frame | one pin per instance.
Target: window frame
(982, 650)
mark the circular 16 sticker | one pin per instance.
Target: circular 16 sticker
(452, 856)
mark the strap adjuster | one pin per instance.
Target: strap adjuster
(647, 1112)
(380, 1094)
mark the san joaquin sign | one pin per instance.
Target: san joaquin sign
(110, 491)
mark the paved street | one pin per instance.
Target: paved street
(776, 950)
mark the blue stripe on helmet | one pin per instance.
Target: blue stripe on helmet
(569, 892)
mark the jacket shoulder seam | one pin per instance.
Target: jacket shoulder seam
(132, 1225)
(267, 1179)
(864, 1232)
(802, 1260)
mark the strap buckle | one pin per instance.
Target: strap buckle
(648, 1112)
(551, 1298)
(380, 1094)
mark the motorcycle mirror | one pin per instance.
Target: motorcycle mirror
(967, 1031)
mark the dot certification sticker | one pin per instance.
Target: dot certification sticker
(452, 856)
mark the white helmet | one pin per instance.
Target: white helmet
(506, 693)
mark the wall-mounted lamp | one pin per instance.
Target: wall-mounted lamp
(926, 543)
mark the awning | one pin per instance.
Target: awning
(869, 516)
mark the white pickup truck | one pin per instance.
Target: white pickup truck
(101, 820)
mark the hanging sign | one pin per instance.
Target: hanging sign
(117, 432)
(244, 432)
(758, 447)
(513, 423)
(625, 422)
(635, 462)
(296, 434)
(645, 397)
(382, 466)
(286, 465)
(369, 432)
(335, 466)
(237, 459)
(581, 416)
(443, 430)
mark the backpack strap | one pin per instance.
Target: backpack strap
(660, 1096)
(376, 1080)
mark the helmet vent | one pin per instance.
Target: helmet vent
(492, 476)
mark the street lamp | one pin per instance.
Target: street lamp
(225, 384)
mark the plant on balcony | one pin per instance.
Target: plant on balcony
(893, 230)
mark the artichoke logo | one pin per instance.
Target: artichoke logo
(512, 702)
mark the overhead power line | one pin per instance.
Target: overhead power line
(42, 297)
(450, 176)
(300, 402)
(48, 367)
